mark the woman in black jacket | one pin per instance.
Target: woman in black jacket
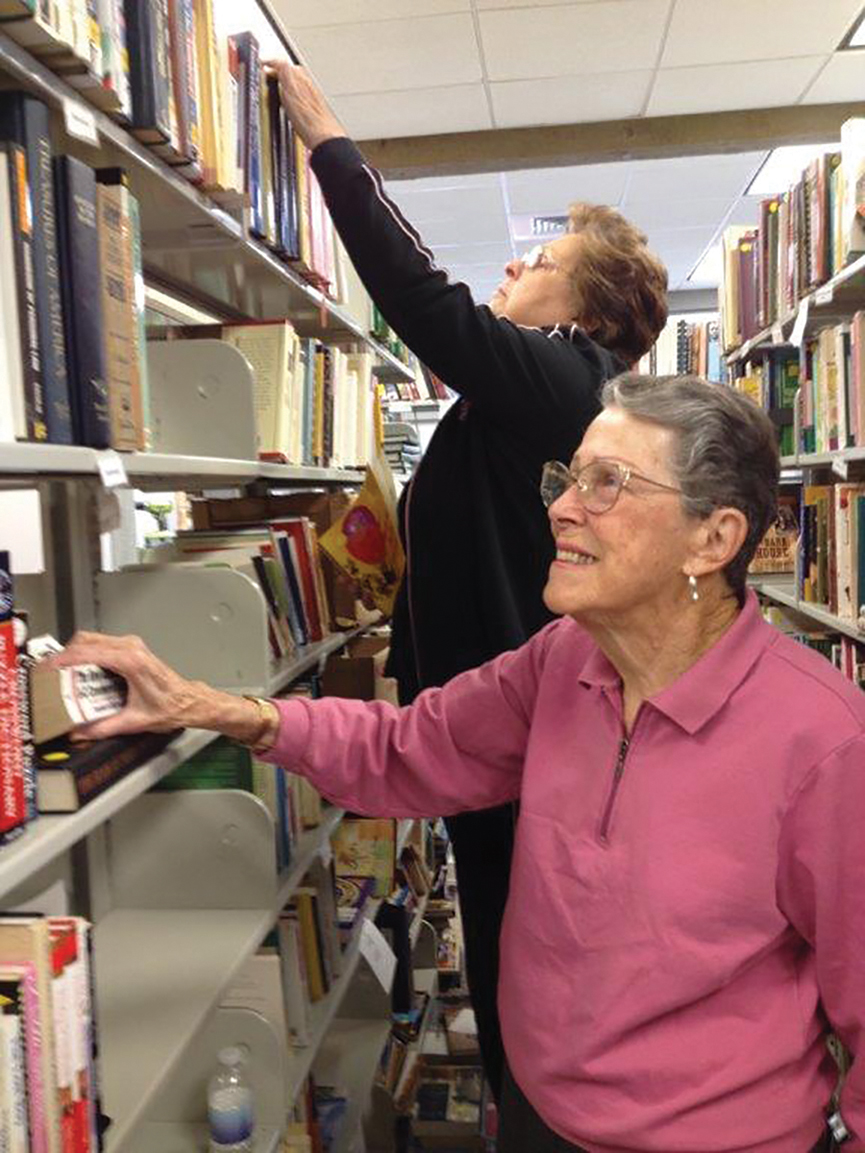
(528, 369)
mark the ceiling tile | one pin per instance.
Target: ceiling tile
(307, 13)
(388, 55)
(755, 31)
(843, 78)
(466, 230)
(550, 190)
(494, 255)
(532, 43)
(567, 99)
(669, 212)
(442, 206)
(447, 183)
(461, 108)
(691, 176)
(722, 87)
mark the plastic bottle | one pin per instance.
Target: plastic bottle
(229, 1105)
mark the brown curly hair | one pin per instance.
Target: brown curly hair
(621, 287)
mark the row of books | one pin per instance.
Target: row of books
(424, 385)
(685, 347)
(314, 403)
(282, 557)
(202, 101)
(49, 1082)
(845, 653)
(317, 1116)
(829, 371)
(831, 561)
(72, 365)
(806, 235)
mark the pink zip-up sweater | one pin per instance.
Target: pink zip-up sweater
(686, 910)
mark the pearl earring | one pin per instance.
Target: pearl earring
(692, 584)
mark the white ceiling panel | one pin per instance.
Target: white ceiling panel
(308, 13)
(567, 99)
(460, 108)
(447, 183)
(667, 212)
(532, 43)
(551, 190)
(843, 78)
(442, 206)
(719, 87)
(486, 228)
(702, 32)
(388, 55)
(692, 176)
(481, 5)
(494, 254)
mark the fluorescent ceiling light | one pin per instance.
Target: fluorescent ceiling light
(707, 270)
(855, 38)
(784, 166)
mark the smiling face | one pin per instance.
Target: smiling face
(545, 294)
(630, 559)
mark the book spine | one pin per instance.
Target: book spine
(12, 802)
(25, 727)
(147, 38)
(120, 333)
(140, 305)
(99, 777)
(82, 303)
(13, 1108)
(26, 121)
(247, 52)
(22, 224)
(33, 1059)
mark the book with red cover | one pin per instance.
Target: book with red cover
(295, 528)
(13, 806)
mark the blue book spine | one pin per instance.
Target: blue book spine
(25, 120)
(283, 836)
(297, 615)
(247, 53)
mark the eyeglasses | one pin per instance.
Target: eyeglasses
(538, 257)
(598, 484)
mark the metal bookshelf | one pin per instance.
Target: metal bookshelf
(832, 301)
(782, 590)
(191, 245)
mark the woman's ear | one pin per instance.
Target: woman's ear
(718, 540)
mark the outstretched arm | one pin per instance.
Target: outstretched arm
(488, 360)
(457, 748)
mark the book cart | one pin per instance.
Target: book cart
(182, 887)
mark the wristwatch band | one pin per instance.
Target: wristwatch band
(268, 729)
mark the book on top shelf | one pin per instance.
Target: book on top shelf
(25, 121)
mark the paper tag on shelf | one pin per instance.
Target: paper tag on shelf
(80, 121)
(824, 295)
(839, 465)
(112, 469)
(379, 955)
(798, 333)
(778, 333)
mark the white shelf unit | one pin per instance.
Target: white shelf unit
(782, 590)
(192, 245)
(834, 300)
(182, 886)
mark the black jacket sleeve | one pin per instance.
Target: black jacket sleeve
(515, 373)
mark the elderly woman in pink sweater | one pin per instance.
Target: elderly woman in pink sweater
(685, 920)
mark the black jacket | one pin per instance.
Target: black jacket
(477, 537)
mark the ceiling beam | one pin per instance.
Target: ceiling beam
(647, 138)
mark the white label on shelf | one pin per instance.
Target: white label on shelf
(326, 853)
(379, 955)
(112, 469)
(80, 122)
(798, 333)
(839, 465)
(825, 294)
(777, 332)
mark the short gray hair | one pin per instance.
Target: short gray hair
(726, 454)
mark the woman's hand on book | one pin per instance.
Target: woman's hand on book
(305, 104)
(159, 699)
